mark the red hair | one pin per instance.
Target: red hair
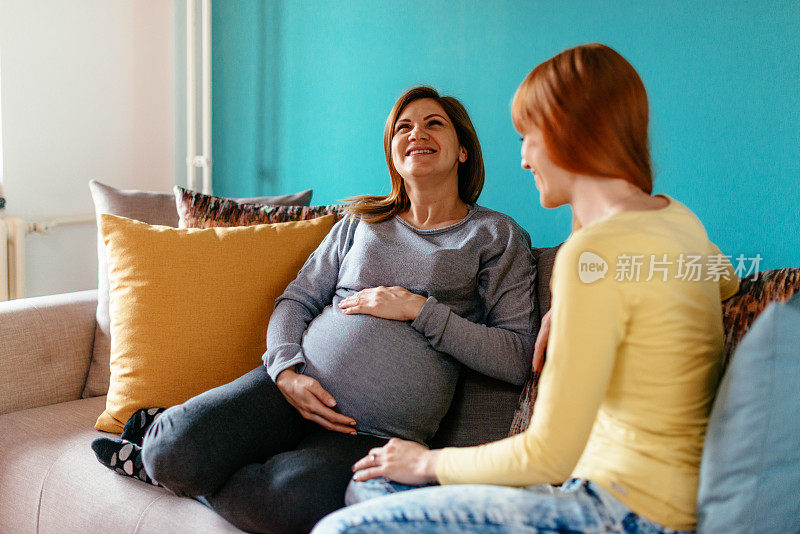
(591, 107)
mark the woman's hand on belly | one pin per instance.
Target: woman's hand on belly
(312, 401)
(395, 303)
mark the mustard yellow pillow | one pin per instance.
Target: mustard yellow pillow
(189, 307)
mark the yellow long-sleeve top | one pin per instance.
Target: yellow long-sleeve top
(631, 372)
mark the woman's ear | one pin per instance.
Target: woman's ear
(462, 154)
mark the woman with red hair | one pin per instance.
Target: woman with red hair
(634, 346)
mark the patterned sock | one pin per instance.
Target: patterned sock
(137, 425)
(123, 457)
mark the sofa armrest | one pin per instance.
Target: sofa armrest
(45, 349)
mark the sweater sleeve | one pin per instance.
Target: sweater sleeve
(501, 346)
(586, 330)
(305, 298)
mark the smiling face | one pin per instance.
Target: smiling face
(551, 180)
(425, 143)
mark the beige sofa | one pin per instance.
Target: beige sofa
(50, 480)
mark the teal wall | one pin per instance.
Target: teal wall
(302, 90)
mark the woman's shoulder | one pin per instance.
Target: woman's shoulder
(346, 224)
(683, 217)
(342, 235)
(595, 240)
(501, 225)
(602, 234)
(672, 225)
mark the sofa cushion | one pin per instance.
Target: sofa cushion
(152, 208)
(485, 409)
(481, 410)
(45, 349)
(750, 472)
(189, 307)
(197, 210)
(51, 482)
(545, 259)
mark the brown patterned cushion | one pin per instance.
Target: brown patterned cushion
(197, 210)
(756, 292)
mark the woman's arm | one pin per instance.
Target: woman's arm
(305, 298)
(587, 326)
(501, 344)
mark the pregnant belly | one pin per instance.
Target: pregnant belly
(382, 373)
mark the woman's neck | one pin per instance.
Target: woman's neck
(433, 209)
(595, 198)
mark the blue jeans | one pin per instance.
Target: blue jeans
(577, 506)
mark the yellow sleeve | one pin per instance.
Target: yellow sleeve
(729, 287)
(587, 326)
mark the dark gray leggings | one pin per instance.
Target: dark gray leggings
(252, 458)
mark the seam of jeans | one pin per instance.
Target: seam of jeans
(371, 522)
(388, 486)
(471, 520)
(630, 517)
(616, 525)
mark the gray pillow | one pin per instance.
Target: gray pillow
(483, 408)
(545, 260)
(481, 411)
(151, 208)
(750, 472)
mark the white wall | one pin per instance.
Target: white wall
(87, 92)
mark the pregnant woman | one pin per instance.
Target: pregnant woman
(634, 355)
(367, 342)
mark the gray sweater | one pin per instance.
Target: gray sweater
(397, 378)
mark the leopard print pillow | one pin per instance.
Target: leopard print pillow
(197, 210)
(756, 292)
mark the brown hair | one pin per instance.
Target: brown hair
(376, 208)
(591, 107)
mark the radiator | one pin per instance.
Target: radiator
(12, 258)
(3, 260)
(13, 232)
